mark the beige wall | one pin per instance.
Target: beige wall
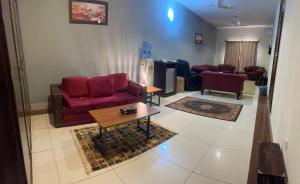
(260, 34)
(286, 109)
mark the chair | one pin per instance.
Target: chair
(192, 80)
(225, 68)
(255, 72)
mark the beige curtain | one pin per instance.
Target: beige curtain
(241, 54)
(248, 54)
(232, 53)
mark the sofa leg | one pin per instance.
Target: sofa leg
(238, 96)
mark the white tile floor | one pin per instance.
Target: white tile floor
(205, 151)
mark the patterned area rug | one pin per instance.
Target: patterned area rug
(123, 142)
(212, 109)
(249, 88)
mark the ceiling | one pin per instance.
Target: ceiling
(250, 12)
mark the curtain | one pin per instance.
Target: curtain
(248, 54)
(241, 54)
(232, 53)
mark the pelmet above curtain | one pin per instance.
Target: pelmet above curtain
(241, 54)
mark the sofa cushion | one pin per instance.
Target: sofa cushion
(75, 86)
(105, 102)
(77, 105)
(101, 86)
(119, 98)
(120, 81)
(134, 89)
(127, 98)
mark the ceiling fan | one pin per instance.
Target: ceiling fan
(222, 5)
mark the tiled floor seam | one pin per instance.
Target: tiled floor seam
(187, 179)
(92, 176)
(121, 179)
(58, 175)
(212, 178)
(36, 152)
(197, 164)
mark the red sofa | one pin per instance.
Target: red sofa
(72, 100)
(202, 68)
(226, 82)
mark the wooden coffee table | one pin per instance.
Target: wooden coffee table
(110, 117)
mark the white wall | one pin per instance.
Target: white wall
(285, 112)
(245, 34)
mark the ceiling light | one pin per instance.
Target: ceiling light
(171, 14)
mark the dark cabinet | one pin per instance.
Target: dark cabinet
(165, 77)
(271, 166)
(15, 122)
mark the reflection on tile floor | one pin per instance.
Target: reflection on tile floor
(205, 151)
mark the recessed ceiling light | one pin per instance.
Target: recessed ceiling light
(171, 14)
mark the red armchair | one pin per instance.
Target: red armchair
(255, 72)
(225, 68)
(227, 82)
(72, 100)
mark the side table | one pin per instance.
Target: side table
(152, 91)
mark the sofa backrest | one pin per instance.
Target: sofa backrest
(75, 86)
(202, 68)
(79, 86)
(226, 67)
(223, 81)
(101, 86)
(120, 81)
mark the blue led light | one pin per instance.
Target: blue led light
(171, 14)
(165, 147)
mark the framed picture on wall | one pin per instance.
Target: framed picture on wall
(199, 39)
(88, 12)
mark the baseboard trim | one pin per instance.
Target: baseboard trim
(39, 112)
(39, 108)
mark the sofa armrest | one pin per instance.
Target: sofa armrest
(56, 105)
(142, 89)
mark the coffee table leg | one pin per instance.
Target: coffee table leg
(100, 141)
(158, 99)
(151, 95)
(148, 127)
(100, 132)
(138, 123)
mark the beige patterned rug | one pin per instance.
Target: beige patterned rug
(249, 88)
(212, 109)
(123, 142)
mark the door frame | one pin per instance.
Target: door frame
(276, 52)
(12, 166)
